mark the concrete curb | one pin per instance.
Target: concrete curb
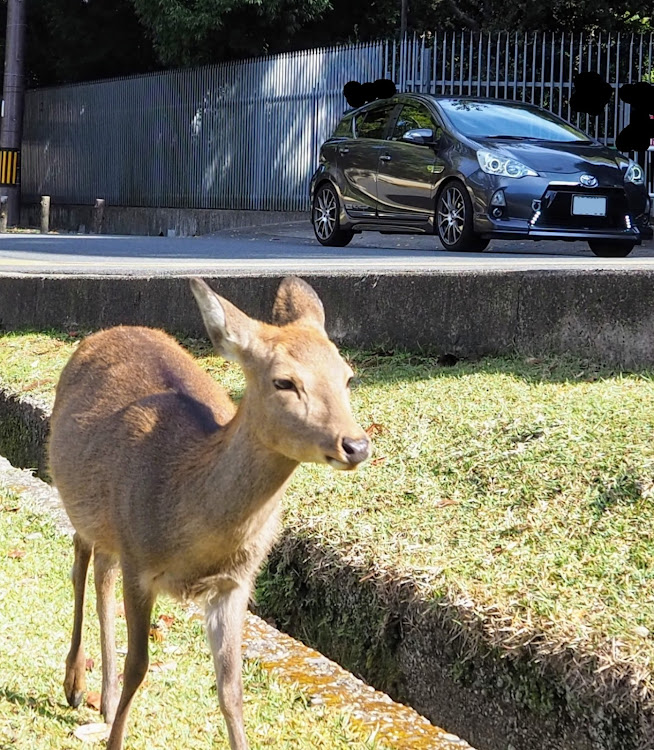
(606, 316)
(415, 650)
(180, 222)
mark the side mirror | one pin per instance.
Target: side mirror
(420, 136)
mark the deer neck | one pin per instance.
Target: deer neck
(246, 474)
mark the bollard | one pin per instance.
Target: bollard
(45, 214)
(4, 205)
(98, 216)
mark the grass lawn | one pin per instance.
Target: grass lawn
(523, 487)
(177, 706)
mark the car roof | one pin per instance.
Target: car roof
(433, 98)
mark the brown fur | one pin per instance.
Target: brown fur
(162, 475)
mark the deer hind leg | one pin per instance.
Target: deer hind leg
(75, 681)
(138, 609)
(224, 618)
(105, 572)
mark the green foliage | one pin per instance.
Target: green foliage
(190, 32)
(73, 40)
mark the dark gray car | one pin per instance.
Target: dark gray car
(471, 170)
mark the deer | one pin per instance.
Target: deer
(169, 482)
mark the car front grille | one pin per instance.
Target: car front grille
(556, 208)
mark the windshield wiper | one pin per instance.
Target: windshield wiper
(512, 137)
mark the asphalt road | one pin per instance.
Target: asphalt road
(288, 248)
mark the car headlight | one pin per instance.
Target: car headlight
(634, 173)
(493, 163)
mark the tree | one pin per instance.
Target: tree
(192, 32)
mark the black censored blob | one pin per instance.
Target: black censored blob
(637, 135)
(357, 94)
(353, 95)
(385, 88)
(591, 93)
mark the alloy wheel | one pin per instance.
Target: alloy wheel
(325, 213)
(451, 215)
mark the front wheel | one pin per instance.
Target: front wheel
(611, 249)
(454, 220)
(325, 215)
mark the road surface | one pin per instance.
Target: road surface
(288, 248)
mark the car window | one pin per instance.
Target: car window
(413, 117)
(508, 120)
(372, 122)
(344, 129)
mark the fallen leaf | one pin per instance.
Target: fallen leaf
(157, 634)
(89, 665)
(94, 700)
(16, 554)
(92, 732)
(375, 429)
(33, 385)
(167, 620)
(443, 502)
(378, 460)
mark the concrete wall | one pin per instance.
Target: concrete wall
(603, 315)
(183, 222)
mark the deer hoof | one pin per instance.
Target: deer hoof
(74, 691)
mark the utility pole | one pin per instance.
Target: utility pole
(403, 15)
(11, 110)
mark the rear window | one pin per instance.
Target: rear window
(344, 129)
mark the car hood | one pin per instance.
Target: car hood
(561, 158)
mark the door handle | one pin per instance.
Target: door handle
(343, 150)
(385, 157)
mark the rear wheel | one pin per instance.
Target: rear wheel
(609, 249)
(325, 215)
(454, 220)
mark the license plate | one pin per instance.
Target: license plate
(588, 205)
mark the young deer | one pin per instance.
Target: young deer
(161, 474)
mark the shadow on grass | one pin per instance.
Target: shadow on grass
(41, 706)
(379, 367)
(375, 367)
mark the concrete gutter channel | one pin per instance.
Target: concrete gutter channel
(440, 659)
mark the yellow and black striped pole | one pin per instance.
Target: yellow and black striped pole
(9, 167)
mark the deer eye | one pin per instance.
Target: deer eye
(284, 385)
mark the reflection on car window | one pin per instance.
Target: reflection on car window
(372, 122)
(344, 129)
(413, 117)
(508, 119)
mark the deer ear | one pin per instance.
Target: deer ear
(230, 330)
(296, 300)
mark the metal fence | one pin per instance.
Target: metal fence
(246, 135)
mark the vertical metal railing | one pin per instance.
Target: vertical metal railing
(247, 134)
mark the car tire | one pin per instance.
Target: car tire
(454, 220)
(609, 249)
(325, 218)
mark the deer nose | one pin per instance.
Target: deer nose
(356, 450)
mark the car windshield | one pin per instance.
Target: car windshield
(508, 120)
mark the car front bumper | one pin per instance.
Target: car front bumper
(540, 208)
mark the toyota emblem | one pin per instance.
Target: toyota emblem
(588, 180)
